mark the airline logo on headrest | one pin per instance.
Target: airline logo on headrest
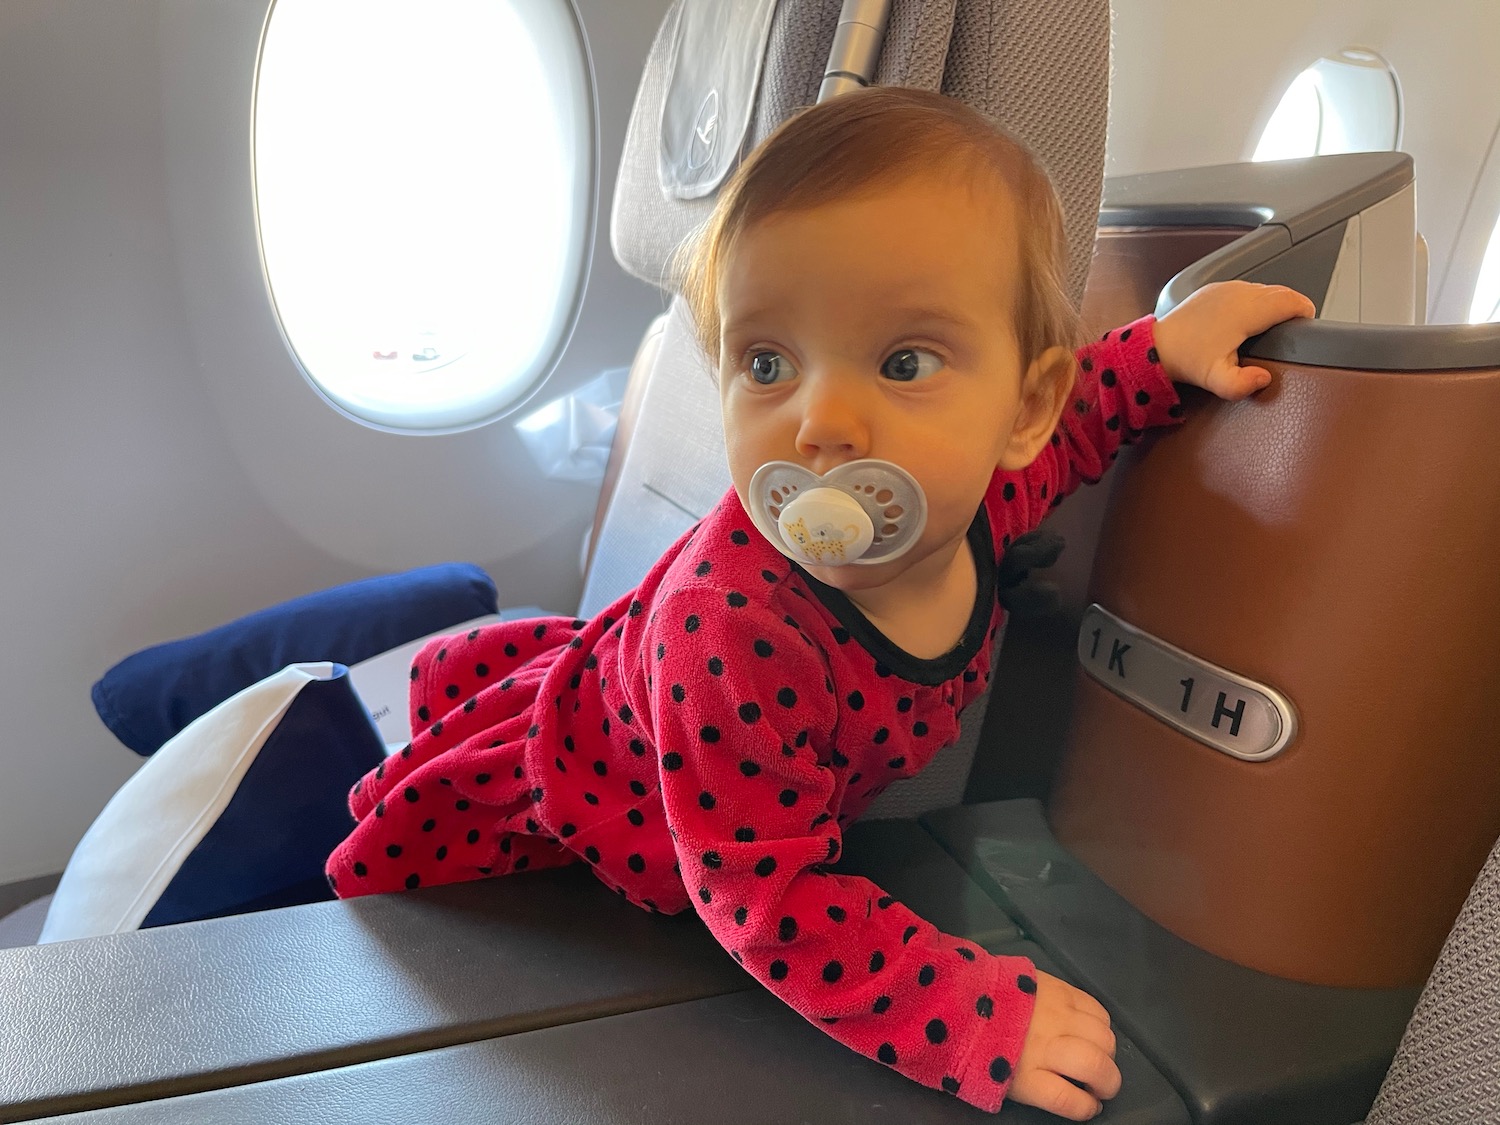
(705, 133)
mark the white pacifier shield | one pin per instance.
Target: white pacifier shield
(865, 512)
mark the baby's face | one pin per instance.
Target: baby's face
(879, 326)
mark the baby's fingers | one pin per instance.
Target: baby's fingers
(1049, 1092)
(1271, 304)
(1084, 1062)
(1232, 382)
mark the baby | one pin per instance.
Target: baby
(881, 288)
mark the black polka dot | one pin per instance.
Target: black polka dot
(1000, 1069)
(706, 800)
(591, 854)
(1175, 410)
(787, 929)
(379, 809)
(361, 870)
(749, 712)
(539, 632)
(966, 954)
(832, 972)
(709, 734)
(442, 852)
(715, 666)
(837, 913)
(763, 648)
(1009, 491)
(985, 1007)
(745, 835)
(638, 787)
(841, 635)
(877, 961)
(885, 902)
(926, 976)
(706, 895)
(856, 701)
(692, 623)
(393, 850)
(1026, 983)
(765, 866)
(510, 650)
(737, 600)
(740, 914)
(481, 779)
(881, 1005)
(919, 728)
(1112, 423)
(636, 862)
(712, 860)
(424, 715)
(786, 697)
(411, 794)
(601, 769)
(896, 763)
(678, 694)
(671, 760)
(473, 836)
(788, 798)
(521, 863)
(778, 968)
(561, 767)
(1142, 398)
(636, 817)
(903, 704)
(950, 1084)
(566, 830)
(413, 882)
(702, 569)
(886, 1054)
(1107, 377)
(749, 768)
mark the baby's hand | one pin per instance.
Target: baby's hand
(1068, 1044)
(1198, 341)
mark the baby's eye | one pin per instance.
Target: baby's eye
(910, 363)
(770, 367)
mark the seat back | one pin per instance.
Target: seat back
(1040, 69)
(1447, 1069)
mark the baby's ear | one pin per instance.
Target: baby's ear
(1045, 389)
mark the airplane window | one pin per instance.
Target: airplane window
(423, 182)
(1486, 306)
(1346, 103)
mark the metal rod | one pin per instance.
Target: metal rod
(856, 47)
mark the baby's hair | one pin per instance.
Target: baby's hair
(863, 141)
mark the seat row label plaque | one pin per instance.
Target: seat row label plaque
(1233, 714)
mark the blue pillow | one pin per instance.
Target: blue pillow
(149, 697)
(237, 813)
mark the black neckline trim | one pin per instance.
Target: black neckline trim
(938, 669)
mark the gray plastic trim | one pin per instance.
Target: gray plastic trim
(1289, 203)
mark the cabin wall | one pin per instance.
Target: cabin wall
(165, 466)
(1195, 84)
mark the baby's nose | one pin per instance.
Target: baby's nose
(833, 429)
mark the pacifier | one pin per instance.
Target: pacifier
(864, 512)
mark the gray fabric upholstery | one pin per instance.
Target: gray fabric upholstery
(22, 927)
(1447, 1069)
(1040, 69)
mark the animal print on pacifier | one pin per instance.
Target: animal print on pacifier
(865, 512)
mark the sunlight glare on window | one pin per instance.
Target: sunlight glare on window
(1295, 126)
(1350, 102)
(423, 183)
(1486, 305)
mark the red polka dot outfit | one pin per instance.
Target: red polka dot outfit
(703, 743)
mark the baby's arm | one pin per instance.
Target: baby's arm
(1124, 387)
(750, 807)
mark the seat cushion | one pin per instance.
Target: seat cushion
(149, 697)
(237, 813)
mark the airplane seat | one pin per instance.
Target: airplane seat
(1447, 1068)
